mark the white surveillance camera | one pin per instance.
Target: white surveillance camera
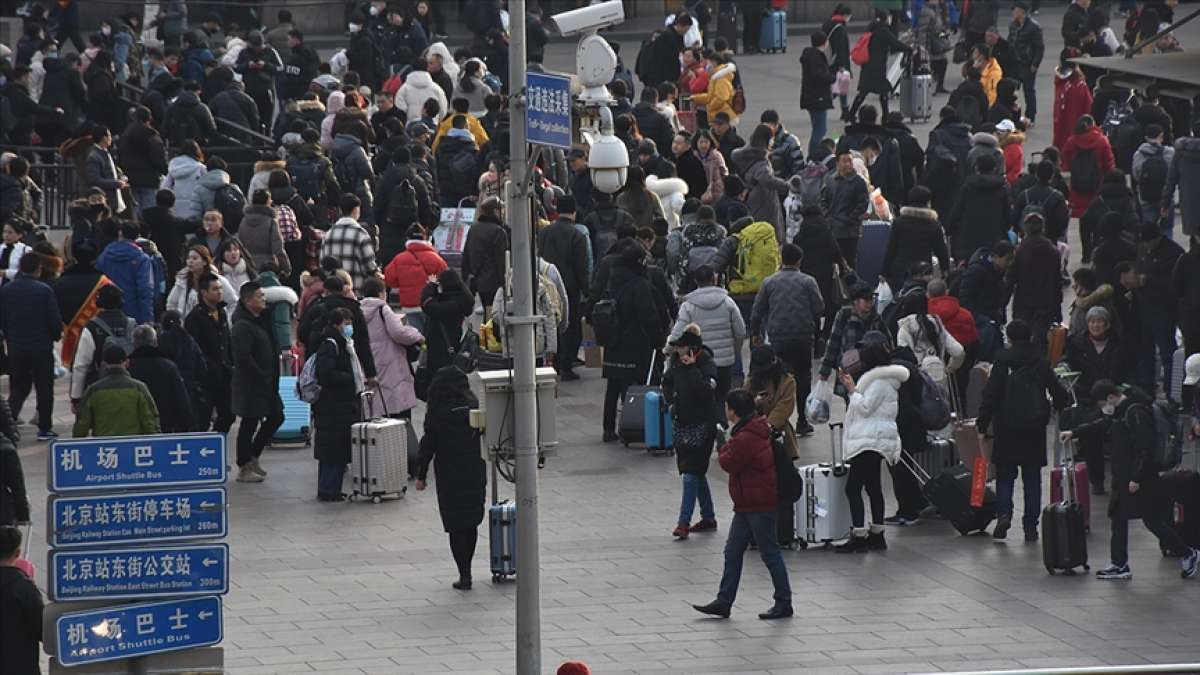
(590, 19)
(608, 158)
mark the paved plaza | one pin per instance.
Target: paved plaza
(363, 588)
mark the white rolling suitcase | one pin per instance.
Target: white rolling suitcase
(378, 456)
(822, 513)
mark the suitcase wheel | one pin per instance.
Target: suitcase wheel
(376, 499)
(1050, 570)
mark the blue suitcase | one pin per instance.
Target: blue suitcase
(773, 37)
(659, 431)
(871, 249)
(502, 539)
(296, 427)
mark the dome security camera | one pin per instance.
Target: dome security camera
(608, 158)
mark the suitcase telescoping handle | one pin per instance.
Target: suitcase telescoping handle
(835, 428)
(26, 541)
(366, 400)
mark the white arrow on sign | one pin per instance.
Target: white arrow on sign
(207, 505)
(209, 562)
(204, 615)
(205, 452)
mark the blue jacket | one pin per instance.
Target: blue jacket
(129, 268)
(192, 65)
(29, 314)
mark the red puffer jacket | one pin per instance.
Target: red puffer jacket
(750, 463)
(410, 270)
(958, 321)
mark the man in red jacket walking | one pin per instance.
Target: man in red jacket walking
(750, 462)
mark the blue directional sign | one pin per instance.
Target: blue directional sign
(138, 517)
(127, 631)
(199, 569)
(548, 109)
(136, 461)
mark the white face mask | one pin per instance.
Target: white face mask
(374, 10)
(354, 27)
(1108, 409)
(106, 31)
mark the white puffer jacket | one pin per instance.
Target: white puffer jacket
(671, 192)
(871, 415)
(418, 88)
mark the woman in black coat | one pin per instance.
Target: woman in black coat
(338, 407)
(821, 254)
(873, 79)
(105, 105)
(688, 388)
(446, 303)
(916, 237)
(453, 447)
(638, 330)
(688, 166)
(816, 94)
(62, 88)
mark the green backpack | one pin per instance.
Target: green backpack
(757, 258)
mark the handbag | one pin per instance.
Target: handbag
(841, 85)
(961, 52)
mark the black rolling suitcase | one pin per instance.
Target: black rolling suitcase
(631, 427)
(950, 492)
(1064, 534)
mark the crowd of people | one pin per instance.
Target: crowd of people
(189, 284)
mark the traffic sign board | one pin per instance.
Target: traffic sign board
(548, 109)
(138, 517)
(136, 461)
(111, 574)
(126, 631)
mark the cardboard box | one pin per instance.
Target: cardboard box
(593, 354)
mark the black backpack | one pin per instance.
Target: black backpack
(102, 333)
(1031, 206)
(1025, 403)
(789, 482)
(402, 205)
(344, 174)
(943, 168)
(306, 177)
(231, 202)
(606, 322)
(1085, 172)
(1153, 180)
(464, 170)
(1126, 140)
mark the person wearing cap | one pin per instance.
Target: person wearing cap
(849, 326)
(564, 246)
(1011, 141)
(689, 386)
(116, 404)
(259, 65)
(1157, 256)
(653, 163)
(1128, 425)
(726, 135)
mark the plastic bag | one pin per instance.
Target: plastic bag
(883, 296)
(817, 405)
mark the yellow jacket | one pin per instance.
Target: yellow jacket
(473, 126)
(991, 77)
(719, 96)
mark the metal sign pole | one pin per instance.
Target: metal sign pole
(529, 598)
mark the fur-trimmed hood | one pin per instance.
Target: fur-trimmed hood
(269, 165)
(984, 138)
(1013, 138)
(870, 424)
(919, 212)
(726, 70)
(664, 187)
(281, 294)
(301, 106)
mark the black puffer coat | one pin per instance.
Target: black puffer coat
(453, 447)
(446, 310)
(874, 73)
(161, 376)
(980, 216)
(689, 391)
(255, 366)
(638, 326)
(1015, 442)
(337, 408)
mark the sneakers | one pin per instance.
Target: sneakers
(1003, 523)
(876, 542)
(714, 608)
(705, 526)
(901, 520)
(48, 435)
(680, 532)
(852, 545)
(1190, 564)
(1114, 572)
(246, 474)
(257, 468)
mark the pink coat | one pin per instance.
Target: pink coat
(389, 336)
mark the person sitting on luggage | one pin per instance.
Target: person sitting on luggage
(870, 436)
(1014, 414)
(689, 386)
(1128, 422)
(337, 408)
(750, 461)
(453, 447)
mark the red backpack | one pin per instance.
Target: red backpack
(860, 54)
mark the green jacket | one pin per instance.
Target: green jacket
(116, 405)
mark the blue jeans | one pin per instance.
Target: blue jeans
(1031, 480)
(1029, 84)
(695, 487)
(820, 126)
(1152, 213)
(761, 528)
(329, 478)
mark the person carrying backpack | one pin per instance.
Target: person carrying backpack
(1088, 156)
(1151, 164)
(1014, 413)
(111, 325)
(693, 246)
(1128, 423)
